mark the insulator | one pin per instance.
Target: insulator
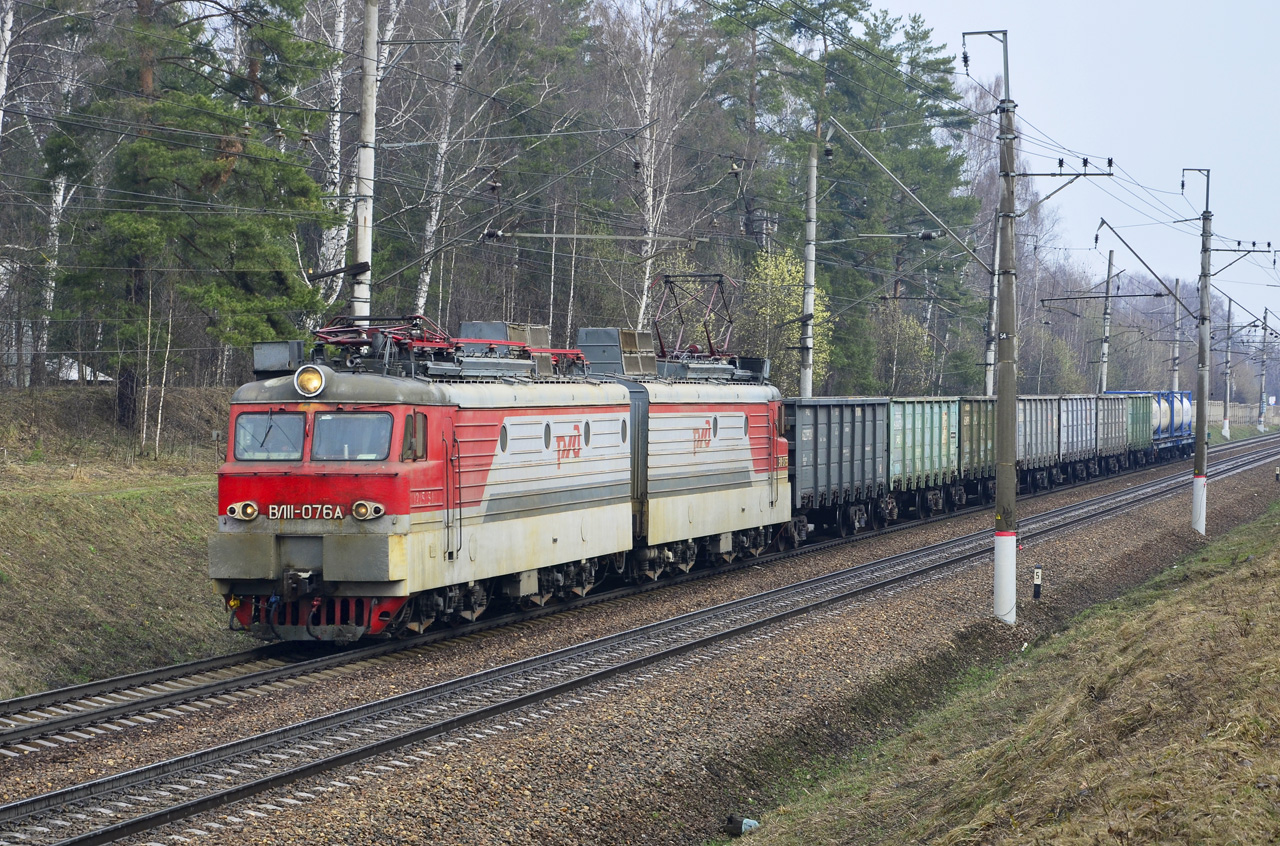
(828, 151)
(1086, 163)
(636, 165)
(457, 67)
(1109, 162)
(1095, 240)
(1061, 164)
(965, 58)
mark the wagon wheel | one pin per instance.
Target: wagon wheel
(923, 509)
(843, 527)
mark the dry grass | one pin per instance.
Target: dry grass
(103, 556)
(1155, 719)
(65, 425)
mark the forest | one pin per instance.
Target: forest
(179, 182)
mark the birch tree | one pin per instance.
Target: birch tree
(656, 54)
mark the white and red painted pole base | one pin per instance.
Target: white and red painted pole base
(1006, 577)
(1199, 502)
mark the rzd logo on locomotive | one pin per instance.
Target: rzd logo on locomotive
(568, 446)
(702, 437)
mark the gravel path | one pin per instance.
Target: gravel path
(667, 758)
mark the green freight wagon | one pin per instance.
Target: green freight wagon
(922, 442)
(977, 450)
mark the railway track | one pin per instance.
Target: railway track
(56, 718)
(437, 720)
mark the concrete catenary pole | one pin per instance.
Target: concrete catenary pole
(1006, 532)
(364, 162)
(1177, 330)
(990, 366)
(810, 260)
(1106, 326)
(1262, 378)
(1226, 395)
(1200, 478)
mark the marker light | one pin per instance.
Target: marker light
(309, 380)
(364, 510)
(243, 510)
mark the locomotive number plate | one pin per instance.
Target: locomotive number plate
(304, 512)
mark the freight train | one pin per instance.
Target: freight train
(395, 477)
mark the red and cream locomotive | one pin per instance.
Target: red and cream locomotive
(400, 477)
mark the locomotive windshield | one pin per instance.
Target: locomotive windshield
(269, 436)
(351, 436)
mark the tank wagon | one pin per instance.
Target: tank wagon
(394, 477)
(398, 477)
(1169, 415)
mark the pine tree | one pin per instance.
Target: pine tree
(202, 188)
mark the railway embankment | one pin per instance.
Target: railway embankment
(102, 552)
(1151, 718)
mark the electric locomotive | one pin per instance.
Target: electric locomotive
(398, 477)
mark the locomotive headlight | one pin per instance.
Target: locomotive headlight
(365, 510)
(309, 380)
(243, 510)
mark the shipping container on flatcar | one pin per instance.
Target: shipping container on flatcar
(838, 458)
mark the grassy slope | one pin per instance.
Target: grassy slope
(102, 564)
(1154, 719)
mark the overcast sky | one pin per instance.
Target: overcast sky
(1159, 86)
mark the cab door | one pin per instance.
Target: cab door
(451, 455)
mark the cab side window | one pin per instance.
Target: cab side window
(414, 447)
